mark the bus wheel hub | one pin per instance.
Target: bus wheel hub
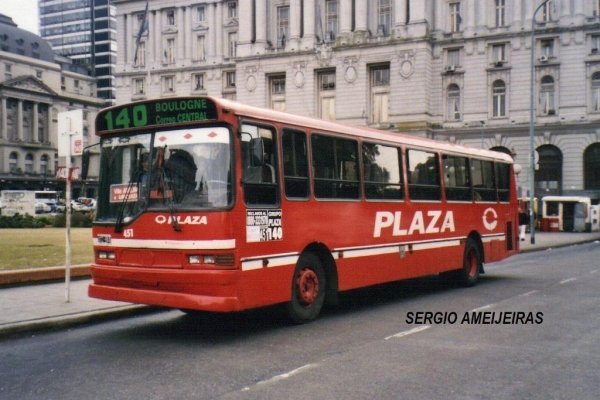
(308, 286)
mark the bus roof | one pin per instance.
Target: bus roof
(579, 199)
(354, 130)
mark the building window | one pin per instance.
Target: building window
(230, 80)
(13, 161)
(231, 44)
(170, 18)
(232, 9)
(499, 53)
(168, 84)
(201, 48)
(283, 25)
(548, 176)
(29, 163)
(384, 17)
(7, 71)
(455, 18)
(331, 15)
(140, 55)
(595, 44)
(591, 167)
(499, 99)
(546, 11)
(499, 13)
(170, 51)
(380, 94)
(200, 14)
(44, 164)
(453, 58)
(198, 81)
(453, 102)
(277, 92)
(596, 92)
(547, 48)
(547, 96)
(326, 93)
(138, 86)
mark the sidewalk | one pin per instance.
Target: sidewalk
(39, 306)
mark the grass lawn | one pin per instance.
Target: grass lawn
(44, 247)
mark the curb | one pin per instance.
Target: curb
(75, 319)
(33, 275)
(558, 245)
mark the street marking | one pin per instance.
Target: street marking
(408, 332)
(281, 377)
(528, 293)
(567, 281)
(483, 308)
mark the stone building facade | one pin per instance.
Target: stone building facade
(453, 70)
(35, 86)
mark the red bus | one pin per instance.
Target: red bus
(208, 204)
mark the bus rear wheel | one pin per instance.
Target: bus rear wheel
(469, 274)
(308, 289)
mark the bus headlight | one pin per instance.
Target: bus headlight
(106, 255)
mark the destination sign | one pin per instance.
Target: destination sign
(156, 113)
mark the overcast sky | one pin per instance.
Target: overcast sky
(23, 12)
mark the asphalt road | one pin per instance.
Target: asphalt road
(369, 347)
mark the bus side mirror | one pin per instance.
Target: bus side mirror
(257, 152)
(85, 164)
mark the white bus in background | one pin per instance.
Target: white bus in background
(28, 202)
(569, 214)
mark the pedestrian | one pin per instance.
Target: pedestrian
(522, 223)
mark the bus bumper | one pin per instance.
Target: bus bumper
(193, 290)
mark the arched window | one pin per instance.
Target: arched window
(591, 167)
(547, 106)
(13, 161)
(596, 92)
(28, 163)
(548, 176)
(453, 102)
(44, 164)
(502, 149)
(499, 98)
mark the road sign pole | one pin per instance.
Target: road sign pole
(68, 210)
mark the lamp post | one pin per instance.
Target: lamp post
(532, 128)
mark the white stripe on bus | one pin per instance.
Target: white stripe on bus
(166, 244)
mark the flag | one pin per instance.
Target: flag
(143, 29)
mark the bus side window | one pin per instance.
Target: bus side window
(382, 167)
(484, 187)
(295, 164)
(260, 174)
(503, 181)
(335, 165)
(456, 178)
(423, 175)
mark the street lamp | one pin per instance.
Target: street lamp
(532, 128)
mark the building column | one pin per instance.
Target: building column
(4, 126)
(308, 40)
(517, 22)
(219, 30)
(158, 47)
(261, 22)
(399, 7)
(129, 40)
(20, 120)
(211, 36)
(246, 27)
(469, 12)
(418, 19)
(579, 12)
(360, 17)
(179, 50)
(35, 124)
(528, 13)
(481, 20)
(295, 19)
(345, 13)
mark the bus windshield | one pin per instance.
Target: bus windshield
(186, 169)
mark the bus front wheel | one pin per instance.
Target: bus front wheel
(469, 274)
(308, 289)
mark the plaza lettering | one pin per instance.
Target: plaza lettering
(434, 221)
(183, 220)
